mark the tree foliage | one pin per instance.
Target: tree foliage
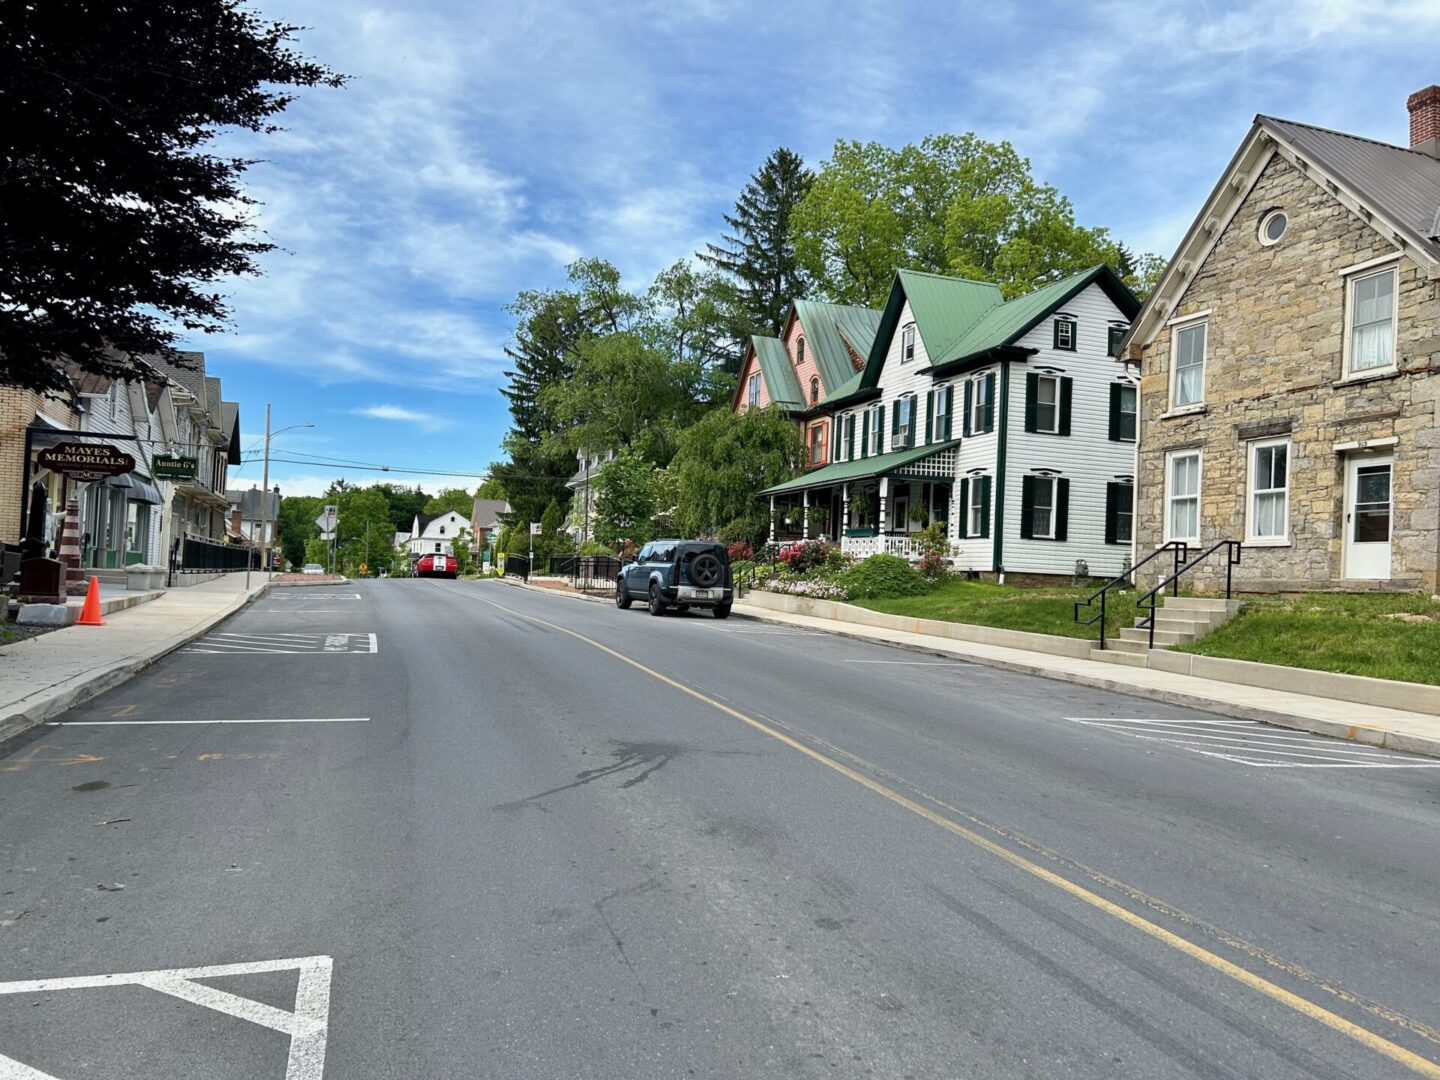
(115, 222)
(625, 499)
(758, 252)
(456, 499)
(953, 204)
(724, 462)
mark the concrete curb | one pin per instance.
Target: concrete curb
(81, 688)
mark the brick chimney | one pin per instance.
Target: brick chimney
(1424, 106)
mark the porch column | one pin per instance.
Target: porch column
(772, 519)
(805, 518)
(884, 498)
(844, 522)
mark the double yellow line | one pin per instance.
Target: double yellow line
(1399, 1054)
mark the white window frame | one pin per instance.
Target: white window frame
(753, 390)
(1270, 216)
(907, 343)
(799, 350)
(938, 425)
(1252, 492)
(975, 525)
(1070, 324)
(1170, 496)
(1054, 381)
(1392, 268)
(907, 419)
(1049, 483)
(977, 404)
(1175, 332)
(818, 436)
(877, 429)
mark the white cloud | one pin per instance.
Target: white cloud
(426, 420)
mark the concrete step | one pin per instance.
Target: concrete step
(1202, 603)
(1186, 622)
(1111, 655)
(1121, 646)
(1162, 637)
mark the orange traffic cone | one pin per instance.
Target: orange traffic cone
(90, 613)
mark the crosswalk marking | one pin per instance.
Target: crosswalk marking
(1247, 742)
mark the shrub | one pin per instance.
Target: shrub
(805, 556)
(882, 576)
(594, 547)
(740, 550)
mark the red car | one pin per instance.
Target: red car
(436, 566)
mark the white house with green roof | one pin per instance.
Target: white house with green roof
(1009, 421)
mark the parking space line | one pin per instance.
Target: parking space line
(1279, 742)
(264, 720)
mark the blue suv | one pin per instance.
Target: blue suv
(680, 574)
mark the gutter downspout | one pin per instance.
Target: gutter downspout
(998, 554)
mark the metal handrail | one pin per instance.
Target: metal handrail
(1232, 560)
(1177, 548)
(767, 556)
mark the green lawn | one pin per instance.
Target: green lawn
(1335, 632)
(1040, 611)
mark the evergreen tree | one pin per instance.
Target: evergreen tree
(758, 252)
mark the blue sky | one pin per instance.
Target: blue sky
(481, 147)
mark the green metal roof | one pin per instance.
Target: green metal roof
(859, 470)
(1002, 325)
(827, 326)
(944, 308)
(776, 370)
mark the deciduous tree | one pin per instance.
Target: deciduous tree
(116, 223)
(725, 461)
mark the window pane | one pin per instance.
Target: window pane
(1123, 519)
(1041, 520)
(1045, 391)
(1372, 342)
(1373, 485)
(1270, 514)
(1371, 346)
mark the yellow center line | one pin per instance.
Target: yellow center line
(1395, 1052)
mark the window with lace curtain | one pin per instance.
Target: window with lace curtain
(1372, 322)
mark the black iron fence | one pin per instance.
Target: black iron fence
(191, 556)
(594, 571)
(515, 566)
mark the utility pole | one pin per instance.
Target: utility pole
(265, 499)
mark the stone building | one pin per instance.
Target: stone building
(1290, 366)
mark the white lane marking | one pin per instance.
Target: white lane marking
(773, 633)
(285, 645)
(306, 611)
(324, 596)
(299, 720)
(307, 1025)
(1247, 742)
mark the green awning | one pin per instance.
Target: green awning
(861, 469)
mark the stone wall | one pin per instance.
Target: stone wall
(1274, 366)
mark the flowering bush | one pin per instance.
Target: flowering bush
(933, 566)
(805, 556)
(816, 590)
(740, 550)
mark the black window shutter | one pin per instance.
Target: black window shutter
(990, 402)
(1114, 419)
(1112, 346)
(964, 507)
(1062, 508)
(865, 435)
(949, 393)
(894, 423)
(984, 507)
(879, 430)
(929, 416)
(1112, 503)
(850, 435)
(1032, 390)
(1027, 507)
(1067, 393)
(965, 421)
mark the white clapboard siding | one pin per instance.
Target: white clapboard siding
(1087, 457)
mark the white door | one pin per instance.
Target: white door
(1367, 516)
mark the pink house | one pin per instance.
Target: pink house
(822, 349)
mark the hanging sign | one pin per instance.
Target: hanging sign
(85, 461)
(174, 467)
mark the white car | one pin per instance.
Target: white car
(312, 568)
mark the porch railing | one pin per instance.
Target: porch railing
(907, 547)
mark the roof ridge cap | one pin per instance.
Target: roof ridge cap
(1344, 134)
(945, 277)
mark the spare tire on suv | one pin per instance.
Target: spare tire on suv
(680, 574)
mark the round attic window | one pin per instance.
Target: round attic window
(1272, 227)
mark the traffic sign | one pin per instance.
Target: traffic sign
(535, 528)
(327, 534)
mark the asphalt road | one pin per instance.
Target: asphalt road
(542, 838)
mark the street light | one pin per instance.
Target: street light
(265, 489)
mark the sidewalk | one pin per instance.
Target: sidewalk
(43, 676)
(1393, 729)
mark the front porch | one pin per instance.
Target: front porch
(872, 506)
